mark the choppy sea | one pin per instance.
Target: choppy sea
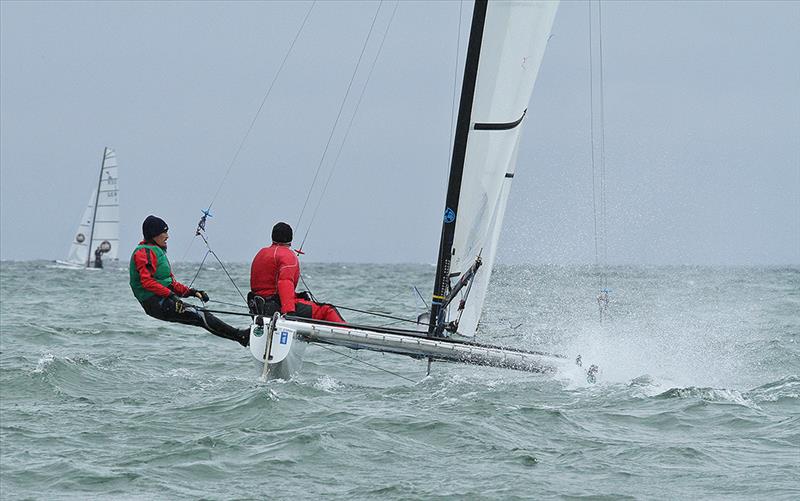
(698, 395)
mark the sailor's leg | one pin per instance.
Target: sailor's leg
(164, 309)
(317, 311)
(302, 308)
(219, 328)
(327, 312)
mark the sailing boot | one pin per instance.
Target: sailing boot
(219, 328)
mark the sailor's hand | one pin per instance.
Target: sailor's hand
(179, 306)
(201, 295)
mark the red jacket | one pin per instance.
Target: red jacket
(146, 267)
(276, 270)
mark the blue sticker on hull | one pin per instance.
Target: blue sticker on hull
(449, 215)
(284, 337)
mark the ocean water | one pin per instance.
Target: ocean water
(698, 395)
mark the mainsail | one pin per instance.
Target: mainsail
(506, 46)
(99, 226)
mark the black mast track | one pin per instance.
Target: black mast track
(457, 165)
(94, 213)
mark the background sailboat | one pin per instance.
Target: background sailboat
(97, 237)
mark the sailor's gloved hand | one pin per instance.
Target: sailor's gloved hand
(179, 306)
(303, 295)
(201, 295)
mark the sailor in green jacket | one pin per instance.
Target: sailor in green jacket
(156, 289)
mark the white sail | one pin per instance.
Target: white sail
(79, 250)
(99, 226)
(513, 43)
(106, 219)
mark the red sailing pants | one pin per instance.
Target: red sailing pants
(319, 311)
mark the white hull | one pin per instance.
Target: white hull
(74, 266)
(287, 367)
(290, 338)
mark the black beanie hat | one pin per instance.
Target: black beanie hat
(282, 233)
(153, 226)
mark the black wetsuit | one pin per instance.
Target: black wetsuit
(163, 308)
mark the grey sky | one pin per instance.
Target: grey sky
(702, 129)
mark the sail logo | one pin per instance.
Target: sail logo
(449, 215)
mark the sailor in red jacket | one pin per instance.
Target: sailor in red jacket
(273, 278)
(156, 289)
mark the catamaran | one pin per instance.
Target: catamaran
(506, 44)
(97, 237)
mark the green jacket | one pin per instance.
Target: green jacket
(151, 273)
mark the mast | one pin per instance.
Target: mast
(94, 212)
(442, 281)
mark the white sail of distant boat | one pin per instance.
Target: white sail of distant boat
(97, 237)
(506, 46)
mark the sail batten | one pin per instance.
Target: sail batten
(499, 126)
(510, 42)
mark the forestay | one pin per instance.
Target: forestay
(515, 34)
(99, 226)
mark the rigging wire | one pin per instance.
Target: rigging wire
(591, 134)
(222, 312)
(391, 298)
(347, 130)
(378, 305)
(598, 181)
(419, 294)
(366, 363)
(211, 251)
(455, 84)
(338, 116)
(188, 248)
(383, 315)
(389, 324)
(347, 308)
(199, 267)
(263, 101)
(602, 145)
(237, 305)
(307, 288)
(253, 122)
(349, 125)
